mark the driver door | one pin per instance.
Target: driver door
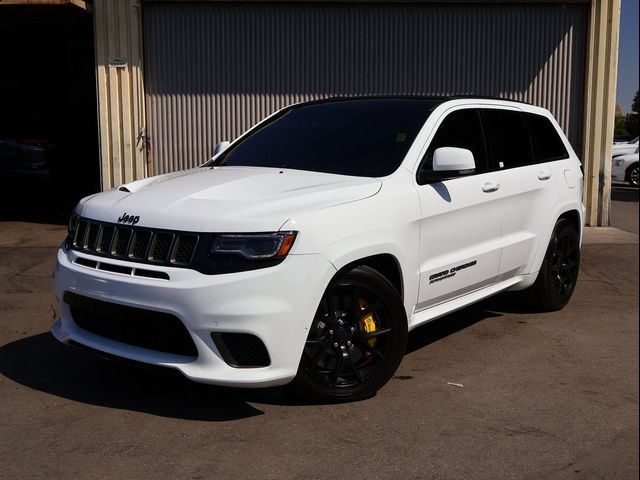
(460, 229)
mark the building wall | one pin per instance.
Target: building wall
(213, 70)
(121, 114)
(602, 70)
(121, 103)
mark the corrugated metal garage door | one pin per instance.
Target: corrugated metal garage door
(213, 70)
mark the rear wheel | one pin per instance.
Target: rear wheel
(356, 341)
(559, 272)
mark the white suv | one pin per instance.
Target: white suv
(305, 251)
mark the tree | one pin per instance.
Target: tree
(620, 131)
(635, 106)
(632, 125)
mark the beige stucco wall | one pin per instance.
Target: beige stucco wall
(600, 99)
(120, 88)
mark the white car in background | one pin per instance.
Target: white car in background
(624, 168)
(624, 148)
(306, 250)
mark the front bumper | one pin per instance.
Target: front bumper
(619, 172)
(276, 304)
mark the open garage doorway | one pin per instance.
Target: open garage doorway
(49, 156)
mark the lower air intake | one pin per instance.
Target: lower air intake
(242, 350)
(158, 331)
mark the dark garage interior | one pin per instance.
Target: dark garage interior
(49, 156)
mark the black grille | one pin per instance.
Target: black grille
(134, 326)
(140, 244)
(121, 243)
(104, 244)
(242, 349)
(161, 247)
(185, 247)
(81, 231)
(134, 243)
(92, 236)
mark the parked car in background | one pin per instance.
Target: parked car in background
(25, 161)
(624, 168)
(624, 148)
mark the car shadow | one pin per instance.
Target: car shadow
(42, 363)
(454, 322)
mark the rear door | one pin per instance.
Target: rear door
(461, 220)
(527, 187)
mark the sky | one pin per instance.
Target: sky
(628, 55)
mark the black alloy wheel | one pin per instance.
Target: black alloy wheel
(559, 272)
(356, 341)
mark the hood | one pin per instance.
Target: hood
(624, 148)
(226, 199)
(627, 158)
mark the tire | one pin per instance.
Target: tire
(632, 175)
(558, 274)
(356, 341)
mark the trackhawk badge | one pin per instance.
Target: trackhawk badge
(438, 277)
(125, 218)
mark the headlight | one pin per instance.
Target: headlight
(617, 162)
(254, 246)
(240, 252)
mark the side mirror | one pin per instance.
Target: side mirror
(452, 159)
(221, 147)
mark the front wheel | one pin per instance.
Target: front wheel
(356, 341)
(558, 274)
(633, 175)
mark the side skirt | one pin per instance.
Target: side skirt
(424, 316)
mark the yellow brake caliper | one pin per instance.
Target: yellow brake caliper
(367, 322)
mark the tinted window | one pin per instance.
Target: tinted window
(508, 142)
(547, 145)
(368, 138)
(461, 129)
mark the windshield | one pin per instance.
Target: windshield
(367, 138)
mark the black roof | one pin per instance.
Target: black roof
(435, 100)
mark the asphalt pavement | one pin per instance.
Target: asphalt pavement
(624, 208)
(542, 396)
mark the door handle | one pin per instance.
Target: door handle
(542, 175)
(490, 187)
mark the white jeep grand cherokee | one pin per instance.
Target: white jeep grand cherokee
(307, 249)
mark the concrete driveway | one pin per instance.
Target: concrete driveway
(543, 395)
(624, 207)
